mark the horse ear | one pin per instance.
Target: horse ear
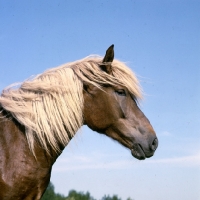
(108, 58)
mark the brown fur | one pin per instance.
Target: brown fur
(40, 117)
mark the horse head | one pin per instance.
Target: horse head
(113, 111)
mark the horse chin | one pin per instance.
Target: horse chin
(138, 152)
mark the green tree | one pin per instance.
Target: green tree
(73, 195)
(114, 197)
(51, 195)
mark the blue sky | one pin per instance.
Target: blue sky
(160, 41)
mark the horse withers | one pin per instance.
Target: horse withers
(40, 116)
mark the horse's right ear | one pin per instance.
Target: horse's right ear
(107, 60)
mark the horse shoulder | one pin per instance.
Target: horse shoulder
(18, 165)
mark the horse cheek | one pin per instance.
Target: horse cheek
(98, 112)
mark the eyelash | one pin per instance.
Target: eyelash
(121, 92)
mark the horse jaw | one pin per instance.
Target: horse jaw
(142, 145)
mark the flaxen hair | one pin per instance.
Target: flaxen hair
(50, 105)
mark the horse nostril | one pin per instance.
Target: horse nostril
(154, 144)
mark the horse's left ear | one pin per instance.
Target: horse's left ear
(107, 60)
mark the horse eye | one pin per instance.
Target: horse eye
(121, 92)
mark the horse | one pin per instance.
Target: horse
(39, 117)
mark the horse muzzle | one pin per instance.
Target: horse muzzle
(142, 150)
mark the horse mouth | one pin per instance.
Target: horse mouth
(138, 152)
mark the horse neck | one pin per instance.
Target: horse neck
(11, 128)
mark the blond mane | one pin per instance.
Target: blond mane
(50, 105)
